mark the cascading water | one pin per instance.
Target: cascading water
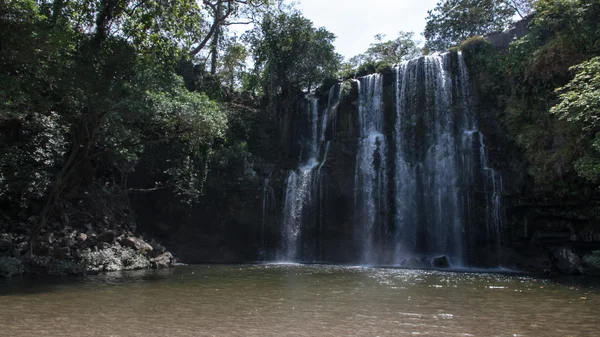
(370, 179)
(304, 192)
(423, 185)
(436, 171)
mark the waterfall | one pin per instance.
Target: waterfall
(436, 171)
(303, 202)
(423, 183)
(370, 181)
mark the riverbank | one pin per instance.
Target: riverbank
(70, 251)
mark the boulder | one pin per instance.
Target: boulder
(137, 244)
(162, 261)
(440, 262)
(81, 237)
(108, 236)
(566, 261)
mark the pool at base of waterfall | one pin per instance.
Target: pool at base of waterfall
(299, 300)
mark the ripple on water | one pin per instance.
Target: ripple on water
(298, 300)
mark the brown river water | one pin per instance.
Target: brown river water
(299, 300)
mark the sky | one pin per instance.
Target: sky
(355, 22)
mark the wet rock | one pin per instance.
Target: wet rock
(137, 244)
(566, 261)
(440, 262)
(162, 261)
(108, 236)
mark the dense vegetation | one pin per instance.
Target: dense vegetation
(453, 21)
(545, 90)
(106, 102)
(102, 100)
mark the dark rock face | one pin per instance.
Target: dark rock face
(501, 40)
(566, 261)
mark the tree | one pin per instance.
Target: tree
(521, 7)
(453, 21)
(89, 86)
(233, 62)
(221, 11)
(402, 48)
(579, 103)
(292, 53)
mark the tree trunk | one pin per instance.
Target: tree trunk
(55, 193)
(82, 137)
(214, 47)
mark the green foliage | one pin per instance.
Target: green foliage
(579, 99)
(292, 53)
(26, 165)
(402, 48)
(83, 103)
(522, 84)
(233, 63)
(381, 55)
(453, 21)
(579, 104)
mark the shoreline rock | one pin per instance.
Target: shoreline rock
(73, 252)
